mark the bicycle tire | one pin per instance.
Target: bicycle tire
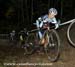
(68, 34)
(52, 59)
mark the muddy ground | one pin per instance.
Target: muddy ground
(10, 54)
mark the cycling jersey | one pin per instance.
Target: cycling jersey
(45, 19)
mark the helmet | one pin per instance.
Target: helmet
(53, 10)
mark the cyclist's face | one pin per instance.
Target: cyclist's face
(51, 15)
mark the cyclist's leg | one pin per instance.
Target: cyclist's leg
(37, 24)
(40, 34)
(43, 38)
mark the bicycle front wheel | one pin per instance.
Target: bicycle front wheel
(52, 48)
(71, 33)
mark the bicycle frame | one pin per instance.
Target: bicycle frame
(70, 21)
(34, 30)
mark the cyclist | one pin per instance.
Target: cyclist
(48, 18)
(12, 35)
(22, 36)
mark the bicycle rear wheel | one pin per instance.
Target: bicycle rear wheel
(71, 33)
(52, 48)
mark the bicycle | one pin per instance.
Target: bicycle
(70, 33)
(51, 45)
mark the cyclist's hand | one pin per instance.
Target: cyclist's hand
(56, 26)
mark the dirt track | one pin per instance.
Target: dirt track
(16, 55)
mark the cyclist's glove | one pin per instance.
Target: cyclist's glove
(39, 19)
(56, 25)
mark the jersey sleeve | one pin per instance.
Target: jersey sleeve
(54, 21)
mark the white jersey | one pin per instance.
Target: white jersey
(45, 19)
(49, 20)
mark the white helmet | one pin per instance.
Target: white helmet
(53, 10)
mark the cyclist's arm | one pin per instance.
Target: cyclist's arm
(39, 22)
(56, 23)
